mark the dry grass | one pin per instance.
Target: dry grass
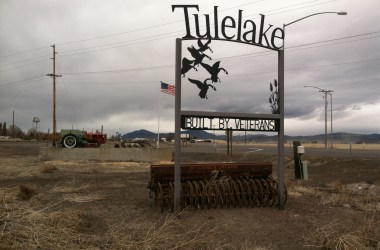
(47, 169)
(335, 235)
(337, 195)
(331, 236)
(298, 191)
(28, 229)
(165, 235)
(335, 186)
(22, 227)
(354, 146)
(78, 197)
(73, 213)
(70, 189)
(26, 192)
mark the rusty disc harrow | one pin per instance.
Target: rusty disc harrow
(222, 193)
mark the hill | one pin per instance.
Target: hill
(200, 134)
(142, 133)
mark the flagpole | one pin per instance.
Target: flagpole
(158, 125)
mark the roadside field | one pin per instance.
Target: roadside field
(106, 205)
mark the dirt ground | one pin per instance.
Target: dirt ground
(106, 205)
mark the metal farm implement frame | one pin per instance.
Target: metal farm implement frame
(215, 185)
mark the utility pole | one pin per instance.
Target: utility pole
(54, 76)
(331, 121)
(13, 125)
(325, 92)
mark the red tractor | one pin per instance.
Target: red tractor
(71, 138)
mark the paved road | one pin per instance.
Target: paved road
(32, 148)
(252, 149)
(20, 148)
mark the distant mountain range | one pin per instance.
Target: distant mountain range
(200, 134)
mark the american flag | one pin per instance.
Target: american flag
(167, 88)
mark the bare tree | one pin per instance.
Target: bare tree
(32, 133)
(17, 132)
(4, 129)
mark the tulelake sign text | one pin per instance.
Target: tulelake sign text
(224, 123)
(229, 28)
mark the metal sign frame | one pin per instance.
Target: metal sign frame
(179, 113)
(200, 120)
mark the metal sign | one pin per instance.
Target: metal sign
(198, 55)
(223, 123)
(233, 30)
(228, 28)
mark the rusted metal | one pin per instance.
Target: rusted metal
(223, 185)
(164, 173)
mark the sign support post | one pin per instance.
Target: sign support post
(281, 191)
(177, 125)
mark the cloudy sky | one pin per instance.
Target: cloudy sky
(113, 54)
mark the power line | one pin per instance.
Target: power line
(109, 83)
(308, 68)
(122, 44)
(120, 33)
(16, 91)
(121, 70)
(24, 65)
(26, 80)
(33, 61)
(146, 28)
(237, 75)
(25, 60)
(168, 23)
(336, 39)
(255, 73)
(23, 52)
(64, 98)
(335, 64)
(159, 25)
(262, 53)
(292, 48)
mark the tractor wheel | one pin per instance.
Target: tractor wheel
(69, 141)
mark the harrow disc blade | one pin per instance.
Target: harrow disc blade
(223, 193)
(159, 197)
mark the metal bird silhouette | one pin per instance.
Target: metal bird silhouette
(204, 47)
(214, 70)
(202, 86)
(197, 55)
(186, 66)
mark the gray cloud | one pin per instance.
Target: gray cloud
(138, 38)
